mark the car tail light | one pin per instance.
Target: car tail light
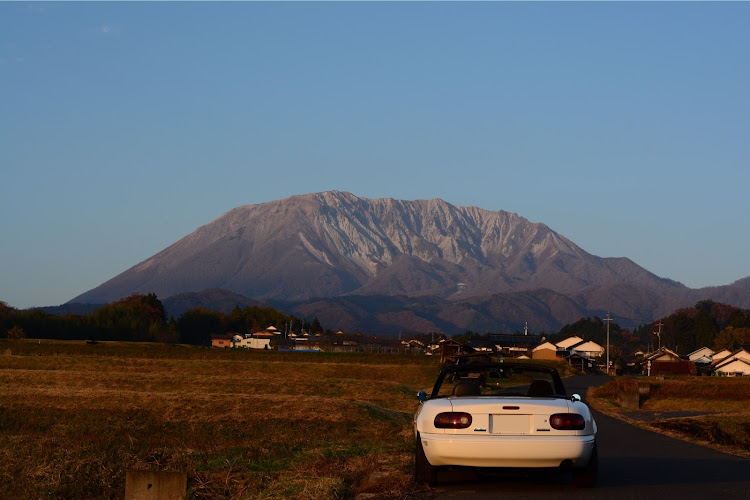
(567, 422)
(452, 420)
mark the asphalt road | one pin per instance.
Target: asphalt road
(633, 463)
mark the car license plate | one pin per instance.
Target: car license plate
(510, 424)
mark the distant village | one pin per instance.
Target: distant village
(585, 355)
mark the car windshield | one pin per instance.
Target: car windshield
(498, 381)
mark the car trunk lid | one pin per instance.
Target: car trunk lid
(510, 416)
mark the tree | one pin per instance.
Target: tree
(315, 326)
(16, 333)
(197, 324)
(731, 338)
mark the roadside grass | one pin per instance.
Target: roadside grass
(728, 399)
(241, 424)
(723, 431)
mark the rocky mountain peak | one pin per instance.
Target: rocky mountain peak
(333, 243)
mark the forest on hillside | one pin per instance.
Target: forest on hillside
(706, 324)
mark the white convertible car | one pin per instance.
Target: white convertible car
(510, 414)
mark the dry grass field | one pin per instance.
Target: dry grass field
(241, 424)
(726, 428)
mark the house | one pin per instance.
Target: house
(662, 354)
(742, 353)
(252, 341)
(734, 367)
(449, 350)
(588, 349)
(667, 362)
(545, 350)
(412, 344)
(702, 356)
(583, 363)
(726, 355)
(261, 340)
(221, 340)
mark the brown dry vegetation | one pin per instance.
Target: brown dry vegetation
(75, 417)
(727, 429)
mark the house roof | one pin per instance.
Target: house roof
(723, 354)
(703, 351)
(740, 353)
(587, 346)
(570, 341)
(545, 345)
(661, 352)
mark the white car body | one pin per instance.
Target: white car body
(513, 431)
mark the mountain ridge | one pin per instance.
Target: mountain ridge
(334, 244)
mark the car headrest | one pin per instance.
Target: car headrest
(540, 388)
(466, 388)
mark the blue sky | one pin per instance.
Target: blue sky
(125, 126)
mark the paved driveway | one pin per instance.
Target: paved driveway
(633, 464)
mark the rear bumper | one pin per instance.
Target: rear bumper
(507, 451)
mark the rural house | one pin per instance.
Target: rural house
(702, 356)
(726, 365)
(221, 340)
(587, 349)
(734, 367)
(545, 350)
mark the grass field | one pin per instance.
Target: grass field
(241, 424)
(728, 399)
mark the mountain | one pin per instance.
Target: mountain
(333, 243)
(322, 248)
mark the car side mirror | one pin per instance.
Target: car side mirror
(422, 396)
(575, 398)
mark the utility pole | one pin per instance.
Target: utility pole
(607, 319)
(658, 334)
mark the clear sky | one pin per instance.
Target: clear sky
(125, 126)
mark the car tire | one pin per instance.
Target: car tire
(588, 476)
(424, 471)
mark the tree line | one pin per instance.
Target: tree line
(142, 318)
